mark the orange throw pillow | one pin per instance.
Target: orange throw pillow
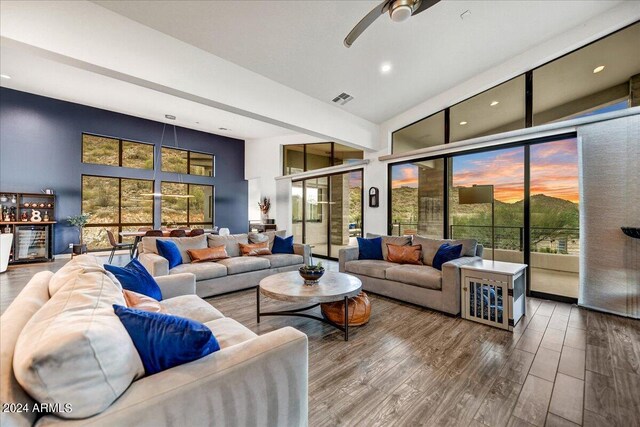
(208, 254)
(404, 254)
(254, 249)
(142, 302)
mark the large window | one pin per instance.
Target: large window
(487, 195)
(187, 205)
(592, 80)
(115, 204)
(116, 152)
(427, 132)
(187, 162)
(306, 157)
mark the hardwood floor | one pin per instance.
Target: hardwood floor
(562, 366)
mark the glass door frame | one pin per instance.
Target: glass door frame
(526, 144)
(304, 207)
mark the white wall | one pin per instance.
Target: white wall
(262, 164)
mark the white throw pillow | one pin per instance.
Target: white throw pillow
(75, 350)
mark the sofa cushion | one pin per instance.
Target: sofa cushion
(417, 275)
(71, 270)
(368, 267)
(370, 248)
(404, 254)
(169, 251)
(231, 242)
(431, 246)
(142, 302)
(283, 260)
(208, 254)
(164, 341)
(446, 253)
(394, 240)
(183, 243)
(244, 264)
(282, 245)
(255, 249)
(266, 236)
(192, 307)
(134, 277)
(75, 350)
(202, 270)
(228, 332)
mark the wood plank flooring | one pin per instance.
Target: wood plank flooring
(562, 366)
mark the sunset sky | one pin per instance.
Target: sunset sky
(554, 171)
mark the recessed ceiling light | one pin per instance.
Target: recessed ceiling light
(598, 69)
(5, 76)
(494, 103)
(223, 129)
(169, 116)
(463, 123)
(385, 68)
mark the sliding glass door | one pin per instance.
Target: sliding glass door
(520, 202)
(555, 218)
(486, 202)
(327, 212)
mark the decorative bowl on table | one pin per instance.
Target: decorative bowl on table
(311, 273)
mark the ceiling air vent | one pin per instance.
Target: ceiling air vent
(343, 98)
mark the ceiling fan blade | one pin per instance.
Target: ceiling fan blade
(365, 22)
(424, 5)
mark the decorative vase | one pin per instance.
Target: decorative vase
(264, 217)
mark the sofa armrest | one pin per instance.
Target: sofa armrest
(155, 264)
(175, 285)
(451, 282)
(350, 253)
(304, 250)
(262, 381)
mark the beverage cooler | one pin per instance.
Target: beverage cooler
(32, 243)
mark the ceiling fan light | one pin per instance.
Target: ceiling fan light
(401, 13)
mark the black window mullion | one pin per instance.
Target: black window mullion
(447, 125)
(528, 99)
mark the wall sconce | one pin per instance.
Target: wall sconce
(374, 197)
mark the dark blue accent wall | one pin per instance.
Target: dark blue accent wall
(41, 147)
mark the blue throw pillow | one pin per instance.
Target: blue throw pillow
(134, 277)
(445, 253)
(170, 251)
(163, 340)
(282, 245)
(370, 248)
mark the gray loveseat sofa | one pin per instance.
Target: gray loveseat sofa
(418, 284)
(232, 274)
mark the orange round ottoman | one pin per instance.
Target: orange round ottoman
(359, 310)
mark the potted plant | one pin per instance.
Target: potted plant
(311, 273)
(79, 221)
(265, 205)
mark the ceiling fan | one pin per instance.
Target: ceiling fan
(399, 10)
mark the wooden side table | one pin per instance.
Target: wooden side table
(493, 293)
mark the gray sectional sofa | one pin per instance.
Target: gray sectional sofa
(62, 327)
(418, 284)
(232, 274)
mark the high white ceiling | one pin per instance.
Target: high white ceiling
(299, 43)
(34, 74)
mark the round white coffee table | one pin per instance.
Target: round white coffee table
(290, 287)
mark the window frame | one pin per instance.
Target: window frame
(305, 168)
(189, 223)
(189, 152)
(120, 151)
(118, 224)
(528, 96)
